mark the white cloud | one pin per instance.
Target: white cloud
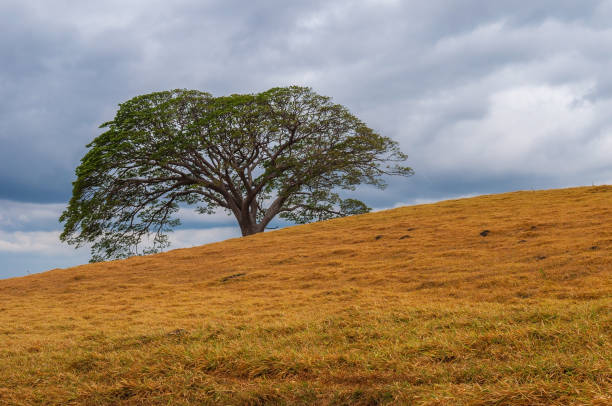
(548, 130)
(48, 243)
(41, 242)
(190, 215)
(23, 215)
(36, 251)
(33, 228)
(520, 132)
(193, 237)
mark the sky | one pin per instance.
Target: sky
(484, 96)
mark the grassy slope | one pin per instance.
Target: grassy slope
(410, 305)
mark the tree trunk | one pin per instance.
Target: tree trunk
(247, 222)
(249, 228)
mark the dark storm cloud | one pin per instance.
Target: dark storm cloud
(55, 92)
(65, 68)
(484, 96)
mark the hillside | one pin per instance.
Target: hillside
(415, 305)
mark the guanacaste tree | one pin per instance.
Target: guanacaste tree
(284, 152)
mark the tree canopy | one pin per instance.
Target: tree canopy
(285, 152)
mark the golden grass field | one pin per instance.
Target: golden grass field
(405, 306)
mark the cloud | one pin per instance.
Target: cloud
(22, 252)
(410, 69)
(47, 242)
(42, 242)
(29, 216)
(545, 130)
(193, 237)
(29, 236)
(483, 96)
(33, 229)
(190, 218)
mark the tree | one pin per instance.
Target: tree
(285, 152)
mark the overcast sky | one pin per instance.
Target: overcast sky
(484, 96)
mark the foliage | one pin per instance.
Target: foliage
(286, 152)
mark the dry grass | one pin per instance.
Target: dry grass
(406, 306)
